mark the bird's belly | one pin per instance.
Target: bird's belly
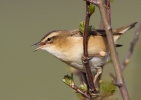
(77, 65)
(94, 63)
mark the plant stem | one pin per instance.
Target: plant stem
(108, 9)
(132, 45)
(114, 56)
(85, 49)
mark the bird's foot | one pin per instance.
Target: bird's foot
(100, 54)
(86, 59)
(94, 93)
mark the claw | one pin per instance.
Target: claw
(86, 59)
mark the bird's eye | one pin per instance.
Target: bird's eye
(49, 39)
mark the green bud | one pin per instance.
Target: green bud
(81, 27)
(68, 79)
(91, 9)
(83, 87)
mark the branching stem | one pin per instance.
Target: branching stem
(113, 52)
(114, 56)
(132, 45)
(85, 49)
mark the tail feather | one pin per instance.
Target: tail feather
(123, 30)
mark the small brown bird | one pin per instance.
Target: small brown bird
(67, 46)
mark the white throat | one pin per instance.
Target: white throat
(57, 53)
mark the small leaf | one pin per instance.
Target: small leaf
(83, 87)
(91, 9)
(68, 80)
(81, 27)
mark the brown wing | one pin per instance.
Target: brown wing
(75, 33)
(101, 32)
(97, 32)
(97, 44)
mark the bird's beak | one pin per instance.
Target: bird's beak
(37, 44)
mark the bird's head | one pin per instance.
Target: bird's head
(52, 38)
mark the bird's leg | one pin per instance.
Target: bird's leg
(90, 56)
(86, 59)
(98, 69)
(98, 72)
(100, 54)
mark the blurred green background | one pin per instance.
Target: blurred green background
(25, 75)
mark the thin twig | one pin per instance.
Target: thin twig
(95, 2)
(114, 56)
(68, 80)
(132, 45)
(108, 10)
(85, 46)
(82, 79)
(79, 91)
(74, 87)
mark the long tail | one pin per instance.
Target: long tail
(123, 30)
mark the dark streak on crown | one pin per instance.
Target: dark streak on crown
(48, 34)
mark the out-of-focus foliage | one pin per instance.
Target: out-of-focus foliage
(107, 89)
